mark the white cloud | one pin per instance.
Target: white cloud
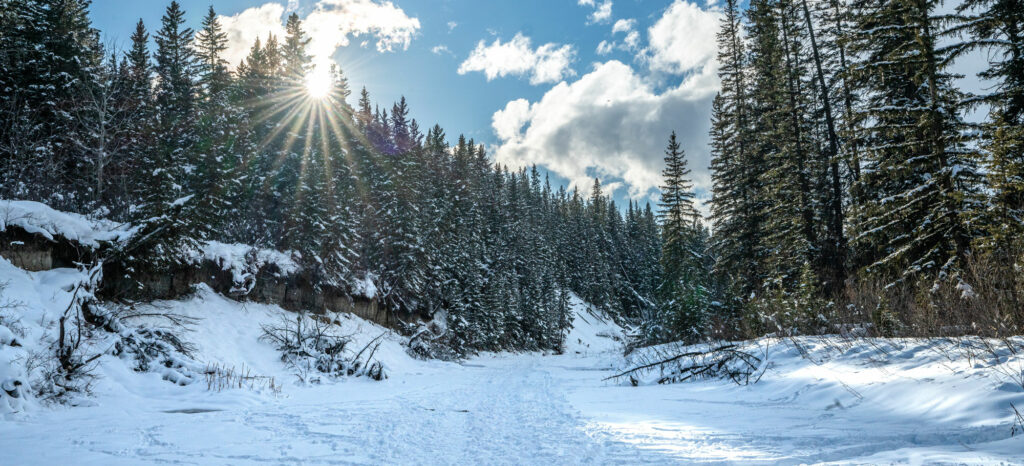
(611, 123)
(630, 43)
(684, 38)
(441, 50)
(602, 11)
(632, 40)
(331, 24)
(508, 122)
(547, 64)
(333, 21)
(624, 25)
(244, 28)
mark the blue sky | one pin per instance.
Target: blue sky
(582, 88)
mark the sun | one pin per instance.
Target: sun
(318, 83)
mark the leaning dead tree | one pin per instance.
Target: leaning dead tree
(677, 363)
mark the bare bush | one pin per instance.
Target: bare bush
(984, 298)
(312, 347)
(70, 371)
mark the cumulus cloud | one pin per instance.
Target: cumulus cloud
(630, 43)
(683, 39)
(244, 28)
(333, 21)
(546, 64)
(611, 123)
(624, 25)
(330, 25)
(602, 11)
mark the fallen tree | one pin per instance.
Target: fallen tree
(680, 363)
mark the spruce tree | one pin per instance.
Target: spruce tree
(683, 295)
(738, 204)
(997, 28)
(919, 174)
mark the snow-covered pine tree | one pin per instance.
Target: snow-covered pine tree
(137, 74)
(997, 28)
(683, 294)
(165, 215)
(919, 175)
(52, 58)
(737, 204)
(221, 135)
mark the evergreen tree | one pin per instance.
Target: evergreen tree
(997, 27)
(738, 204)
(51, 58)
(221, 135)
(683, 295)
(167, 214)
(919, 174)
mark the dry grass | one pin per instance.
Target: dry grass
(220, 378)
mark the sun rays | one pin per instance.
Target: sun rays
(308, 125)
(319, 83)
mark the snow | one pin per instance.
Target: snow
(365, 288)
(38, 218)
(242, 260)
(592, 332)
(862, 401)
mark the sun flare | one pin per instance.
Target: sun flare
(318, 83)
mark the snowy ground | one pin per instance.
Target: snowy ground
(873, 402)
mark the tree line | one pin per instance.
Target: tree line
(188, 149)
(850, 186)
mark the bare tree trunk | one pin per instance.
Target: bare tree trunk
(837, 262)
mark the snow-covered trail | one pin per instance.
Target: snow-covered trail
(495, 409)
(868, 402)
(500, 410)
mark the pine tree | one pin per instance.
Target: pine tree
(167, 215)
(297, 62)
(52, 57)
(919, 174)
(781, 117)
(833, 250)
(997, 27)
(683, 295)
(221, 135)
(737, 205)
(211, 42)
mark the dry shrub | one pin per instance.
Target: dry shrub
(219, 378)
(312, 346)
(986, 298)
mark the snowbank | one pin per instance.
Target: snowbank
(242, 260)
(30, 303)
(592, 332)
(38, 218)
(865, 401)
(224, 333)
(227, 333)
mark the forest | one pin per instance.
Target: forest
(856, 189)
(211, 259)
